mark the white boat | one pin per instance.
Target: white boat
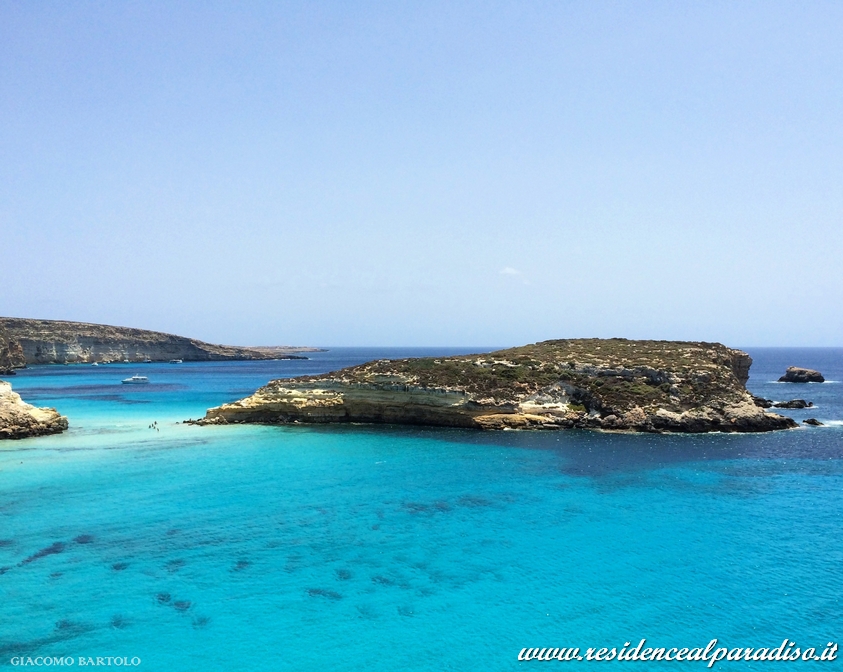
(136, 380)
(175, 361)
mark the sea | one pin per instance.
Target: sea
(135, 540)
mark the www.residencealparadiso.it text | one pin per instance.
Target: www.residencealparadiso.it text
(711, 653)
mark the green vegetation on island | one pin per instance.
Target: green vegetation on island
(611, 384)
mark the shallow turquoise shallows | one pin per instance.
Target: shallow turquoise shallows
(390, 548)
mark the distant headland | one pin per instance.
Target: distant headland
(26, 341)
(608, 384)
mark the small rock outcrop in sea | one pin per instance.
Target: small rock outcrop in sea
(793, 403)
(25, 341)
(795, 374)
(613, 384)
(761, 402)
(813, 421)
(19, 420)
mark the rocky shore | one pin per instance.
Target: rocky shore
(25, 341)
(19, 420)
(612, 384)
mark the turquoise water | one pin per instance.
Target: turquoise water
(384, 548)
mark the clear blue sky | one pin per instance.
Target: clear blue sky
(428, 173)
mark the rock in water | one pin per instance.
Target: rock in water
(611, 384)
(813, 421)
(19, 420)
(762, 402)
(793, 403)
(795, 374)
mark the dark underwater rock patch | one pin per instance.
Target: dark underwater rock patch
(163, 598)
(240, 565)
(119, 566)
(473, 501)
(8, 649)
(84, 539)
(367, 612)
(343, 574)
(420, 508)
(52, 549)
(323, 592)
(63, 631)
(294, 563)
(181, 605)
(67, 626)
(175, 565)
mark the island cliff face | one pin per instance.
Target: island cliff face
(613, 384)
(57, 342)
(19, 420)
(11, 354)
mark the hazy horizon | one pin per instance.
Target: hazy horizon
(441, 174)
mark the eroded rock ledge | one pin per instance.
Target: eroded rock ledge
(613, 384)
(19, 420)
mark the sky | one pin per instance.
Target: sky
(429, 173)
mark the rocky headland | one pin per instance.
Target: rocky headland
(26, 341)
(612, 384)
(19, 420)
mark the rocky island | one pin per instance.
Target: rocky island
(19, 420)
(796, 374)
(26, 341)
(608, 384)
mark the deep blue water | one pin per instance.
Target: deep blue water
(388, 548)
